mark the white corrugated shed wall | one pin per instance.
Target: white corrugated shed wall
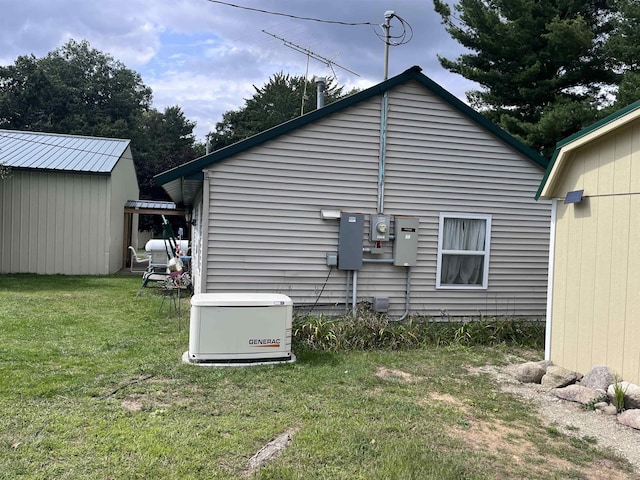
(265, 233)
(54, 223)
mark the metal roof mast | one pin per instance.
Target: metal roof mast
(386, 26)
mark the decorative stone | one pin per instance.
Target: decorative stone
(558, 377)
(630, 418)
(631, 394)
(599, 377)
(529, 372)
(577, 393)
(608, 410)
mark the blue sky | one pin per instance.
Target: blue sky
(206, 56)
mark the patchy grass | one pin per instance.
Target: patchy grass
(92, 386)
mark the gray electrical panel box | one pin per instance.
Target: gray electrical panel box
(379, 228)
(405, 244)
(350, 241)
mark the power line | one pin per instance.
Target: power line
(403, 38)
(268, 12)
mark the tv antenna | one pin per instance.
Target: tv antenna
(327, 61)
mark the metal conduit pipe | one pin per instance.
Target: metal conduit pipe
(406, 298)
(354, 298)
(384, 108)
(346, 292)
(377, 260)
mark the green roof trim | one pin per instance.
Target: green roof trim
(585, 131)
(195, 167)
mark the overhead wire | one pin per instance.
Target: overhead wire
(269, 12)
(403, 38)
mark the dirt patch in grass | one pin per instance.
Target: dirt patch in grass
(396, 375)
(131, 404)
(497, 439)
(156, 393)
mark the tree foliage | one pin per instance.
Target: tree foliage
(165, 140)
(78, 90)
(74, 89)
(623, 49)
(282, 98)
(545, 67)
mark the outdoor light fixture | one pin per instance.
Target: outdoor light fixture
(326, 214)
(574, 197)
(188, 217)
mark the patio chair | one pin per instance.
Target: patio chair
(137, 260)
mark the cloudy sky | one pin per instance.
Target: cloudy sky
(205, 55)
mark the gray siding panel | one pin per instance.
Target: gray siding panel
(265, 234)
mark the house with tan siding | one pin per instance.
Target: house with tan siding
(62, 207)
(399, 198)
(593, 182)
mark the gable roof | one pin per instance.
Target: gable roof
(62, 153)
(182, 182)
(594, 131)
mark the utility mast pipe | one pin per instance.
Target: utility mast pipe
(388, 15)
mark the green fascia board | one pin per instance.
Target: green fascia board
(414, 73)
(585, 131)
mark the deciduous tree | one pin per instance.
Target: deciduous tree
(75, 89)
(282, 98)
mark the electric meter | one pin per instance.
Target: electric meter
(379, 231)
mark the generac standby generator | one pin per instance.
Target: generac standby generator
(240, 328)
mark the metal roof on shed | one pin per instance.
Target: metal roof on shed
(57, 152)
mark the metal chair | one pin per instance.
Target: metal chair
(137, 260)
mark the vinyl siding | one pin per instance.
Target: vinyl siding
(265, 233)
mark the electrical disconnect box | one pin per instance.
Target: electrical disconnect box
(379, 228)
(405, 246)
(350, 241)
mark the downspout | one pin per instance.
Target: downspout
(206, 198)
(552, 255)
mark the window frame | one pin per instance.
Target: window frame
(486, 252)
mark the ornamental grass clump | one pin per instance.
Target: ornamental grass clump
(618, 394)
(368, 331)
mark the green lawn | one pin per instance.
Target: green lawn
(92, 387)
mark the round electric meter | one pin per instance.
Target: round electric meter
(381, 227)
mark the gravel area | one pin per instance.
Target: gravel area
(572, 418)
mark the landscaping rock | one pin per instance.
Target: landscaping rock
(578, 393)
(631, 394)
(630, 418)
(608, 410)
(529, 372)
(558, 377)
(599, 377)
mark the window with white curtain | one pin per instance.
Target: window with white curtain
(463, 251)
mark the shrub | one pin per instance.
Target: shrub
(368, 331)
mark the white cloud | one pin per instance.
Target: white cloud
(205, 56)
